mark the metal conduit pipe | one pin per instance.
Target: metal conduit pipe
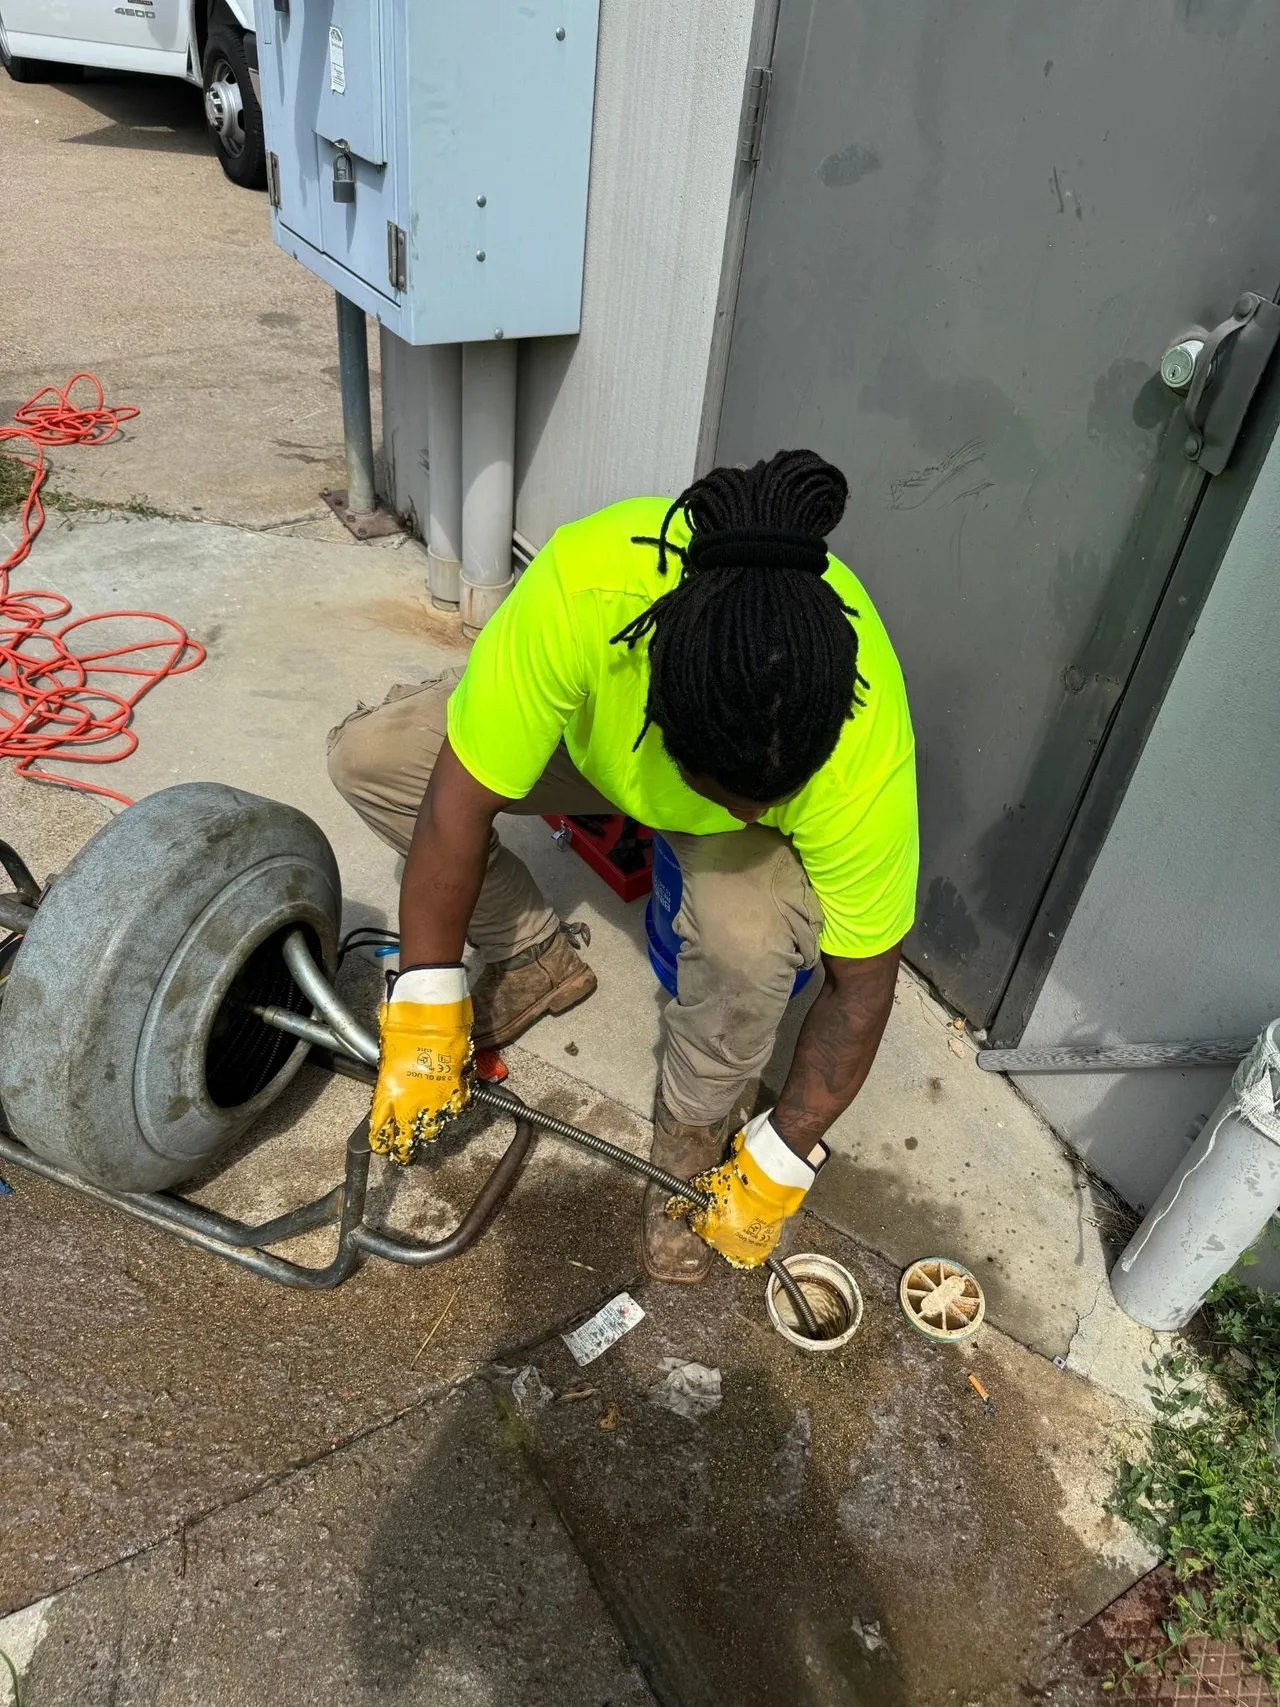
(319, 992)
(489, 1096)
(14, 916)
(217, 1233)
(418, 1255)
(444, 474)
(357, 419)
(347, 1033)
(488, 478)
(25, 887)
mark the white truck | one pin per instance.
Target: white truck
(209, 42)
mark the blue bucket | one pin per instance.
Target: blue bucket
(660, 915)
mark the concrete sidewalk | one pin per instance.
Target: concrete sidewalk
(857, 1529)
(153, 1396)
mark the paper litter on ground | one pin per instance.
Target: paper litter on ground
(688, 1389)
(529, 1386)
(604, 1329)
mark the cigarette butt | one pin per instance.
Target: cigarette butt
(979, 1389)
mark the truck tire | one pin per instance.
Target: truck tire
(231, 108)
(39, 70)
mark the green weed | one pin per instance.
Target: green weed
(1205, 1489)
(15, 483)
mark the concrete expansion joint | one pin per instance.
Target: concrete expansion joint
(437, 1395)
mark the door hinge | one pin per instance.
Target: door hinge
(273, 179)
(757, 99)
(395, 255)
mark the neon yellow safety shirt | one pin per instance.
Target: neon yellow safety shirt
(543, 670)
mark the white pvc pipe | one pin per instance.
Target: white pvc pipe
(488, 478)
(1215, 1205)
(444, 456)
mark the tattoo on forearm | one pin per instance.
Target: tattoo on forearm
(836, 1047)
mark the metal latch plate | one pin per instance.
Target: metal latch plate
(396, 270)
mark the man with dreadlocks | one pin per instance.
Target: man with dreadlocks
(706, 667)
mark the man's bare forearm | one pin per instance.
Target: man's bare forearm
(446, 864)
(836, 1047)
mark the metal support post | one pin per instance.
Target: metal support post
(357, 420)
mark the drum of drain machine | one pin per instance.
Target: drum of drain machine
(660, 919)
(128, 1051)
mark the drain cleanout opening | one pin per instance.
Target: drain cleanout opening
(831, 1293)
(830, 1311)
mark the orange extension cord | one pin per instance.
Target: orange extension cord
(52, 703)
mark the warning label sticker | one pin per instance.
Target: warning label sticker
(604, 1329)
(337, 63)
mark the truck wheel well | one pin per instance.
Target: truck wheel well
(207, 15)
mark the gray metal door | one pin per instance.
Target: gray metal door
(974, 231)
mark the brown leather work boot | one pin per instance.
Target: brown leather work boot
(549, 978)
(672, 1252)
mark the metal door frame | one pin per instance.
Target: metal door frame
(1192, 573)
(1193, 547)
(764, 31)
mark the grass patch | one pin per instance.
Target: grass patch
(1206, 1488)
(67, 502)
(15, 482)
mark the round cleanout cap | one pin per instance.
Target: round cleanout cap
(942, 1299)
(832, 1295)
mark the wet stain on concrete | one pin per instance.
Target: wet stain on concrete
(276, 321)
(415, 616)
(743, 1552)
(421, 1567)
(871, 1201)
(143, 1383)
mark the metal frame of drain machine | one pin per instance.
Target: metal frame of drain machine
(344, 1046)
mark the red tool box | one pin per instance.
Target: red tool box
(613, 845)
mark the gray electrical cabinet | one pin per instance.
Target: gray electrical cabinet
(429, 158)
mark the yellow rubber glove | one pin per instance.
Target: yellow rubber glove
(760, 1187)
(424, 1071)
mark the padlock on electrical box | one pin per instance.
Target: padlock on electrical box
(344, 174)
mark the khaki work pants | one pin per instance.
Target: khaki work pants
(748, 916)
